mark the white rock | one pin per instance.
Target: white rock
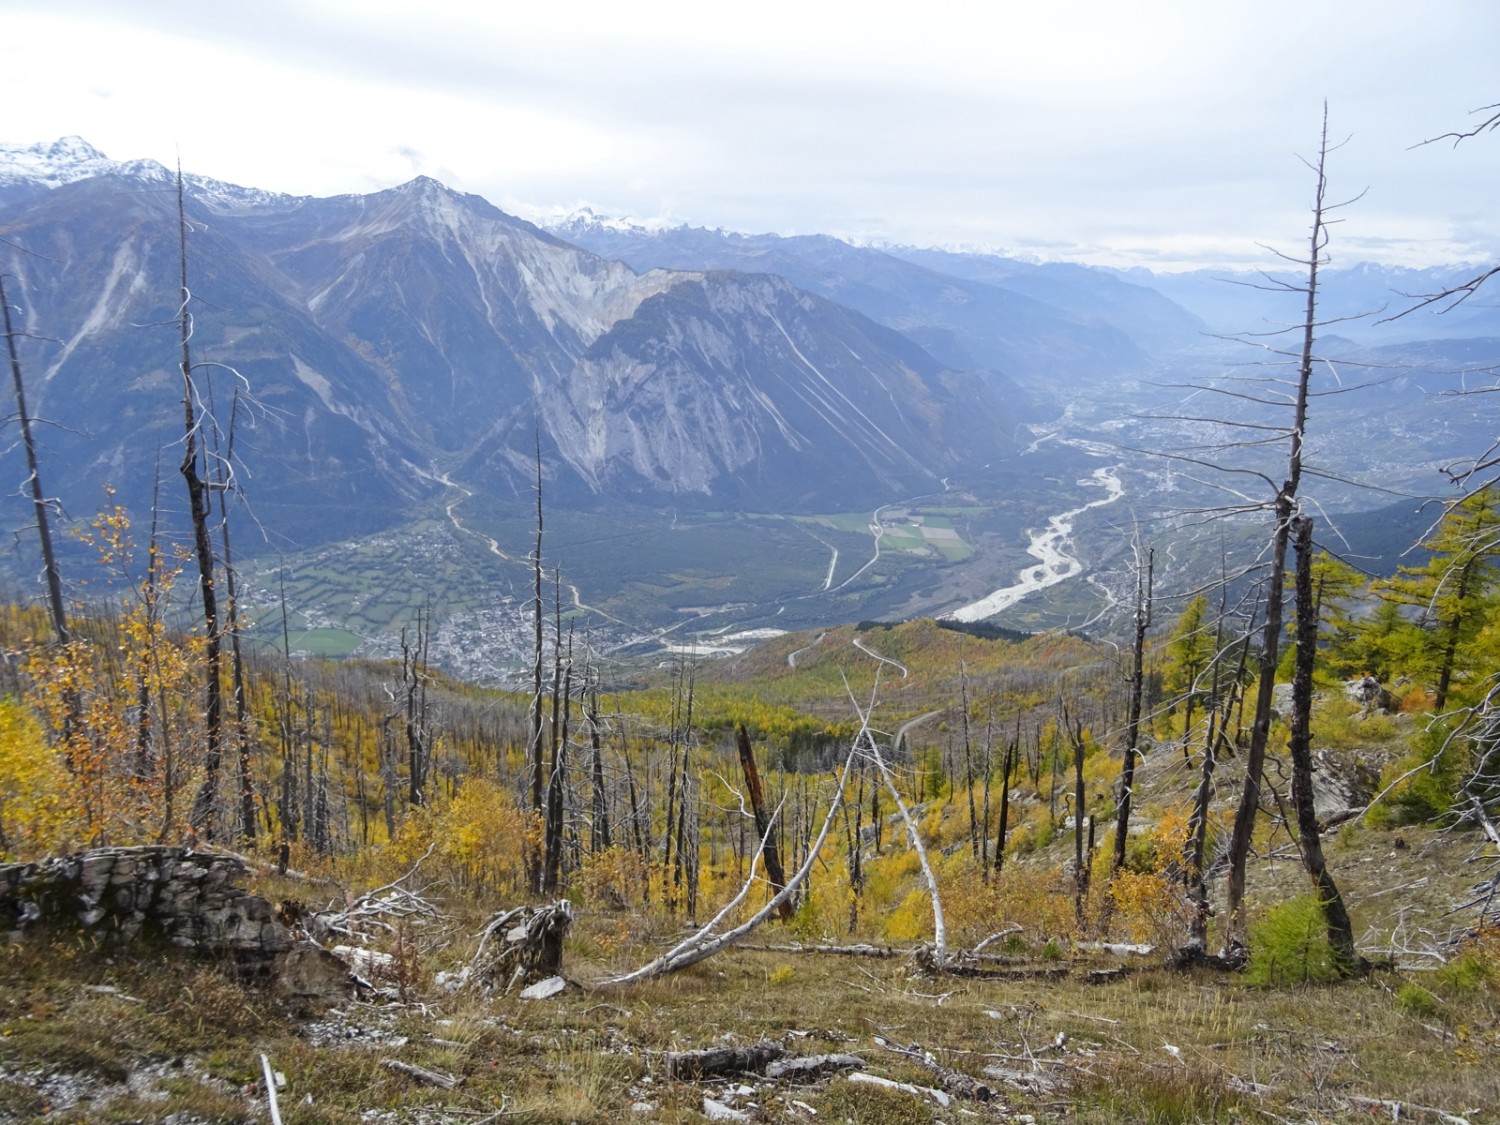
(544, 989)
(718, 1111)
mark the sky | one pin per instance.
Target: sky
(1114, 132)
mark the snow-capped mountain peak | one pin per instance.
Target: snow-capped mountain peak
(54, 163)
(51, 164)
(586, 219)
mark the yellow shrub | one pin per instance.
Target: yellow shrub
(35, 818)
(912, 920)
(479, 839)
(1039, 900)
(612, 878)
(1150, 908)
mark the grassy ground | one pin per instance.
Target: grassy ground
(92, 1035)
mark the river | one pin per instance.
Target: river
(1050, 548)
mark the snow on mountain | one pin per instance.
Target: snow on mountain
(52, 164)
(65, 161)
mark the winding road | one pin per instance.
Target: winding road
(791, 657)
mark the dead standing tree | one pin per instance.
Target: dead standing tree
(204, 810)
(769, 852)
(1283, 508)
(34, 477)
(1309, 843)
(1144, 575)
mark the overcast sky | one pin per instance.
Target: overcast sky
(1118, 132)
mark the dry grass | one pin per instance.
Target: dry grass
(1156, 1046)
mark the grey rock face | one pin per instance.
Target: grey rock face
(169, 896)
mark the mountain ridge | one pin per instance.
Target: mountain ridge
(405, 332)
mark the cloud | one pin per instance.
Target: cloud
(1097, 128)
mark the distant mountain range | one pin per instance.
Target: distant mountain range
(386, 345)
(386, 340)
(1038, 325)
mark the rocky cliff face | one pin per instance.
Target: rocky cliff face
(376, 342)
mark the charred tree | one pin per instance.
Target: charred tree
(1143, 593)
(769, 852)
(1283, 508)
(1299, 744)
(204, 812)
(53, 576)
(534, 745)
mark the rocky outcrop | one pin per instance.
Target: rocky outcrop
(170, 896)
(1343, 786)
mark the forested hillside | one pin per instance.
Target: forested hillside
(1226, 849)
(921, 786)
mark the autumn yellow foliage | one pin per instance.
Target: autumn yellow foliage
(35, 817)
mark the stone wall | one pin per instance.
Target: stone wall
(167, 896)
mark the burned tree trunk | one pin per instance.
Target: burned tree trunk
(1299, 744)
(534, 745)
(769, 851)
(1137, 684)
(205, 802)
(1000, 830)
(38, 496)
(599, 834)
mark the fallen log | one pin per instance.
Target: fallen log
(805, 1068)
(720, 1062)
(423, 1075)
(861, 950)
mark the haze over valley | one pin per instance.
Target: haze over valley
(736, 432)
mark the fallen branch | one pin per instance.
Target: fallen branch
(1114, 948)
(939, 952)
(1013, 928)
(954, 1081)
(938, 1096)
(265, 1069)
(371, 909)
(423, 1075)
(706, 942)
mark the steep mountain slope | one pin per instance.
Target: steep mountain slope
(1037, 324)
(747, 388)
(385, 339)
(96, 292)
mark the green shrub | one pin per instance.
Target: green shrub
(1429, 793)
(1417, 1001)
(1466, 973)
(1289, 945)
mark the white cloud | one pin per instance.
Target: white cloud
(1095, 128)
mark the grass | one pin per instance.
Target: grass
(1156, 1046)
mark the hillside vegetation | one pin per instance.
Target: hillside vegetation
(620, 786)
